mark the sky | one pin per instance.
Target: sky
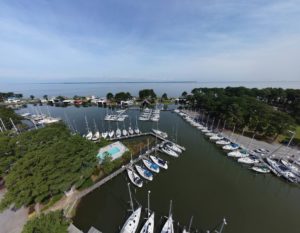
(157, 40)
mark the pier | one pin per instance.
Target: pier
(146, 134)
(77, 196)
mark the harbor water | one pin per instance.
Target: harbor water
(202, 183)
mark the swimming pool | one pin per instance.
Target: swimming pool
(111, 152)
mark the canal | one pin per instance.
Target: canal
(203, 183)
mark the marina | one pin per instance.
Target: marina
(206, 167)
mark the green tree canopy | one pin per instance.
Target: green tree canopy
(44, 163)
(53, 222)
(109, 96)
(122, 96)
(5, 114)
(147, 94)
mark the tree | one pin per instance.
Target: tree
(122, 96)
(46, 162)
(164, 96)
(184, 94)
(31, 97)
(109, 96)
(147, 94)
(53, 222)
(45, 97)
(6, 114)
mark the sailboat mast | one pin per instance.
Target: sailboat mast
(224, 125)
(149, 203)
(131, 202)
(190, 225)
(3, 126)
(170, 210)
(222, 226)
(14, 125)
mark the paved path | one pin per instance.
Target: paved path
(280, 150)
(12, 221)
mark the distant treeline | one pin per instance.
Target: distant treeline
(5, 95)
(268, 111)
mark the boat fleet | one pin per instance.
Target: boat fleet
(152, 164)
(117, 116)
(110, 133)
(259, 160)
(150, 115)
(134, 219)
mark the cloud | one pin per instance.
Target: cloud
(130, 40)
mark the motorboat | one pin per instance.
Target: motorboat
(209, 134)
(260, 168)
(282, 170)
(160, 133)
(248, 160)
(223, 142)
(170, 152)
(146, 174)
(134, 178)
(231, 146)
(173, 147)
(294, 168)
(238, 154)
(216, 137)
(151, 166)
(160, 162)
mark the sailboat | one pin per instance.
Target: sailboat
(89, 134)
(131, 224)
(189, 229)
(130, 130)
(151, 166)
(149, 224)
(124, 131)
(136, 130)
(160, 162)
(118, 131)
(104, 134)
(168, 226)
(134, 178)
(143, 172)
(96, 136)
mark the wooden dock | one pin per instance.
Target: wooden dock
(146, 134)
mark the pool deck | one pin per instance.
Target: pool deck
(120, 147)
